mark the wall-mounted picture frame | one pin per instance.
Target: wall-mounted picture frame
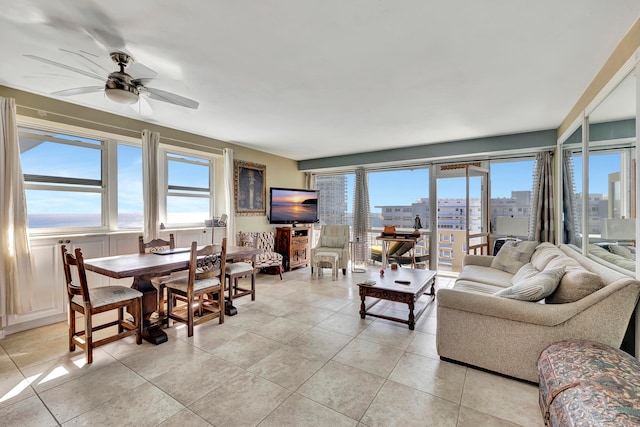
(250, 189)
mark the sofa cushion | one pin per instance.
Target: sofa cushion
(575, 284)
(486, 275)
(526, 271)
(610, 257)
(622, 251)
(563, 261)
(534, 288)
(513, 255)
(479, 288)
(544, 253)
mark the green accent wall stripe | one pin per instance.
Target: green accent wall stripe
(429, 152)
(619, 129)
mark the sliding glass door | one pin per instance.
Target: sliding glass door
(462, 220)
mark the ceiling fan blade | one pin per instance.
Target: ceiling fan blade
(100, 26)
(78, 90)
(142, 107)
(141, 73)
(91, 63)
(172, 98)
(66, 67)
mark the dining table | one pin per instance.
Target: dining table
(143, 266)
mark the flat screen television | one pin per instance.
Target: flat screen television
(293, 206)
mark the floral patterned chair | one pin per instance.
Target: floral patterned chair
(264, 240)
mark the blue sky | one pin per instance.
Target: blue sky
(406, 186)
(399, 187)
(403, 187)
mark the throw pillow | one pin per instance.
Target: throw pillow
(543, 254)
(575, 285)
(513, 255)
(534, 288)
(526, 272)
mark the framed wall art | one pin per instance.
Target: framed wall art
(250, 189)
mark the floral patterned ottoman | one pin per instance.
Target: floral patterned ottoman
(585, 383)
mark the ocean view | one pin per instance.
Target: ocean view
(128, 221)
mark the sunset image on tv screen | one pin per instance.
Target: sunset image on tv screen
(293, 206)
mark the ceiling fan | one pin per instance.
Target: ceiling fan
(120, 86)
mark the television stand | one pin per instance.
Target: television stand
(293, 245)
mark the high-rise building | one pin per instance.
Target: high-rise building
(332, 200)
(403, 216)
(518, 205)
(598, 209)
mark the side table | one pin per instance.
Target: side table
(321, 258)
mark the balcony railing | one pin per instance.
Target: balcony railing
(451, 246)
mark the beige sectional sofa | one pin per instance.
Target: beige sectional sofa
(620, 258)
(506, 335)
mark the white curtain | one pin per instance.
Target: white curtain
(228, 195)
(150, 184)
(16, 270)
(310, 180)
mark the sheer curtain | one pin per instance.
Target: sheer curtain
(541, 221)
(228, 195)
(361, 220)
(569, 202)
(310, 180)
(16, 269)
(150, 144)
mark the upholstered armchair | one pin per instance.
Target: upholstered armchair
(334, 238)
(264, 240)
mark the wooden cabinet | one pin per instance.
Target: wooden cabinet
(293, 244)
(200, 235)
(47, 289)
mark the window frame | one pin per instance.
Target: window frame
(164, 191)
(68, 184)
(108, 191)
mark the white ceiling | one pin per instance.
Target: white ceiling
(307, 79)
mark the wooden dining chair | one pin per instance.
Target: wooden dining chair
(151, 246)
(201, 292)
(89, 302)
(155, 245)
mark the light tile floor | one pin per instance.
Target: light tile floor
(297, 356)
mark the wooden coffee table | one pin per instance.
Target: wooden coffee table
(386, 287)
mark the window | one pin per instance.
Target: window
(511, 185)
(130, 198)
(64, 179)
(335, 194)
(68, 185)
(608, 175)
(405, 189)
(188, 194)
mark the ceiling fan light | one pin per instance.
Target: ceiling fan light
(122, 95)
